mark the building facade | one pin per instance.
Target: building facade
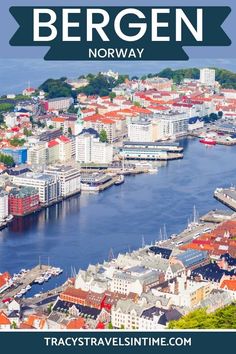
(69, 178)
(48, 186)
(23, 201)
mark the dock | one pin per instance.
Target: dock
(217, 216)
(27, 279)
(226, 196)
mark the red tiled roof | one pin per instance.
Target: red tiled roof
(4, 278)
(77, 323)
(52, 143)
(229, 284)
(64, 139)
(4, 320)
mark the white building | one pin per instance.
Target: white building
(112, 74)
(65, 148)
(140, 131)
(48, 186)
(207, 76)
(126, 314)
(60, 103)
(90, 150)
(172, 124)
(69, 178)
(38, 154)
(10, 120)
(3, 205)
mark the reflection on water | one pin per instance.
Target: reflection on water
(83, 229)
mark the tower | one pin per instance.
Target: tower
(79, 122)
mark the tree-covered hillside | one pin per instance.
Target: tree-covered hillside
(225, 77)
(199, 319)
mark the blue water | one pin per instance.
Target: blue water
(83, 229)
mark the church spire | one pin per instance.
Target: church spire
(79, 122)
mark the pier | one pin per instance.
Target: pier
(226, 196)
(26, 279)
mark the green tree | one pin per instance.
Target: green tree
(70, 130)
(27, 132)
(49, 308)
(224, 318)
(50, 126)
(13, 325)
(103, 136)
(137, 104)
(6, 107)
(17, 142)
(112, 95)
(72, 109)
(7, 160)
(56, 88)
(110, 325)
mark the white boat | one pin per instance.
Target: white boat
(120, 180)
(152, 170)
(47, 276)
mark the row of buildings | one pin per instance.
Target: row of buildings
(28, 192)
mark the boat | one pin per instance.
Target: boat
(120, 180)
(47, 276)
(207, 141)
(9, 218)
(152, 170)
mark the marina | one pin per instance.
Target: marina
(23, 281)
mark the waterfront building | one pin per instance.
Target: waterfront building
(58, 104)
(68, 176)
(90, 150)
(19, 154)
(38, 154)
(48, 186)
(3, 205)
(23, 201)
(195, 123)
(151, 151)
(140, 131)
(207, 76)
(171, 124)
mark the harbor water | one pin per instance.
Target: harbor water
(83, 229)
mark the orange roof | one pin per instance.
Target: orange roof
(229, 284)
(52, 143)
(77, 323)
(36, 321)
(4, 278)
(58, 119)
(4, 320)
(141, 110)
(75, 293)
